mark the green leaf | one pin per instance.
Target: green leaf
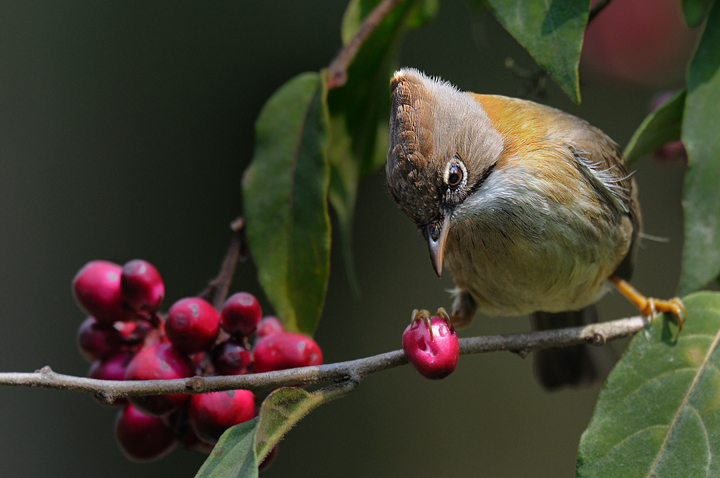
(234, 455)
(701, 136)
(659, 128)
(551, 31)
(359, 110)
(284, 407)
(695, 11)
(285, 197)
(658, 414)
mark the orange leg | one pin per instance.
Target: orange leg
(651, 307)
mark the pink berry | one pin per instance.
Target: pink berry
(230, 358)
(141, 285)
(241, 314)
(97, 340)
(213, 413)
(97, 291)
(142, 437)
(435, 357)
(269, 325)
(159, 362)
(192, 325)
(285, 350)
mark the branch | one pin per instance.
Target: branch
(522, 344)
(217, 289)
(337, 71)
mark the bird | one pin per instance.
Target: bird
(532, 211)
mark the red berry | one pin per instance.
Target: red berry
(97, 340)
(141, 285)
(230, 358)
(213, 413)
(434, 357)
(97, 291)
(192, 325)
(285, 350)
(133, 333)
(142, 437)
(111, 368)
(160, 361)
(269, 325)
(241, 314)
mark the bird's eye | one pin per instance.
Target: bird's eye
(454, 175)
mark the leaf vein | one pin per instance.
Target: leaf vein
(691, 388)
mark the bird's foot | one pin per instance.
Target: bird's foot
(650, 307)
(425, 316)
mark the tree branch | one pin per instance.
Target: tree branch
(523, 344)
(337, 71)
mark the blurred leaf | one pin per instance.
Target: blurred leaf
(659, 411)
(701, 136)
(695, 11)
(551, 31)
(234, 455)
(359, 110)
(285, 198)
(659, 128)
(284, 407)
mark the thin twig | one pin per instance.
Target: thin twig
(596, 334)
(596, 9)
(337, 71)
(217, 289)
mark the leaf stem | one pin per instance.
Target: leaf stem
(354, 370)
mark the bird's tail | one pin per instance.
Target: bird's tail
(574, 366)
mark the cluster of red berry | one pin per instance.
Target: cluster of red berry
(127, 338)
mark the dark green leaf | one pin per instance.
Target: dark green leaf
(658, 414)
(285, 197)
(234, 455)
(284, 407)
(659, 128)
(551, 31)
(701, 136)
(359, 110)
(695, 11)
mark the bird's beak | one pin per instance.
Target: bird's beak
(436, 236)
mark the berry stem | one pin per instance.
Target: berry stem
(217, 289)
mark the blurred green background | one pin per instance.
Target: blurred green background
(124, 131)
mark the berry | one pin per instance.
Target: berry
(213, 413)
(132, 333)
(433, 356)
(160, 361)
(97, 291)
(285, 350)
(269, 325)
(97, 340)
(142, 437)
(141, 285)
(192, 325)
(111, 368)
(230, 358)
(241, 314)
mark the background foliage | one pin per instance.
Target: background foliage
(122, 130)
